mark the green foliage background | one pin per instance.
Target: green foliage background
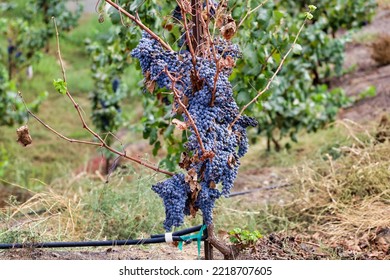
(299, 98)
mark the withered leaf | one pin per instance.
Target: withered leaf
(185, 161)
(193, 210)
(231, 161)
(220, 21)
(228, 30)
(179, 124)
(24, 137)
(191, 178)
(227, 62)
(149, 84)
(168, 26)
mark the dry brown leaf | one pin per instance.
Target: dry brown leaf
(149, 84)
(220, 21)
(231, 161)
(185, 161)
(168, 26)
(227, 62)
(24, 137)
(228, 30)
(191, 178)
(179, 124)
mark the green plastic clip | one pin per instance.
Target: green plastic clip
(197, 236)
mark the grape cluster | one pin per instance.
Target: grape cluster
(174, 194)
(212, 122)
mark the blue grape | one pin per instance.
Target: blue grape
(212, 122)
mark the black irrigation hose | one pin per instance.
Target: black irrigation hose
(5, 246)
(180, 232)
(259, 189)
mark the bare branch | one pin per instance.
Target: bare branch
(59, 50)
(101, 142)
(266, 60)
(140, 24)
(250, 11)
(71, 140)
(271, 79)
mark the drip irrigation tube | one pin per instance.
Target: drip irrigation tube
(5, 246)
(259, 189)
(180, 232)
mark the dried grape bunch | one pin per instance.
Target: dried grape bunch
(24, 137)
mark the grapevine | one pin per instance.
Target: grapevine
(196, 76)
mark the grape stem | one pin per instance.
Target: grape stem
(190, 119)
(267, 87)
(192, 44)
(138, 22)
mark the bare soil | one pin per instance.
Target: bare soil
(368, 73)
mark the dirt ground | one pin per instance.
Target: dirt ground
(367, 73)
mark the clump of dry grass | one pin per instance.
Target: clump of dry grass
(83, 207)
(345, 201)
(381, 49)
(45, 216)
(384, 4)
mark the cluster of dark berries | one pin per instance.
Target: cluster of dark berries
(216, 173)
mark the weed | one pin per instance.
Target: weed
(244, 238)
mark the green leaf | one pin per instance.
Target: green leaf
(308, 15)
(156, 148)
(60, 86)
(312, 8)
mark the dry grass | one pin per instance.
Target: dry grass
(84, 207)
(45, 216)
(384, 4)
(345, 201)
(381, 49)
